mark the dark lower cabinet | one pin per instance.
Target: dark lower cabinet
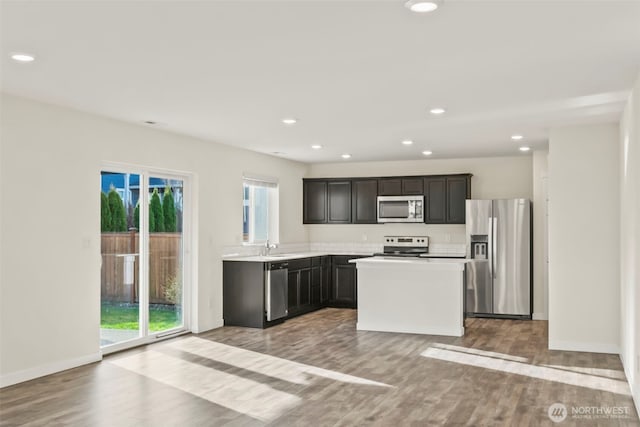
(292, 296)
(243, 296)
(344, 282)
(299, 286)
(325, 280)
(313, 283)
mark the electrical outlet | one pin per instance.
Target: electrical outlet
(365, 238)
(210, 302)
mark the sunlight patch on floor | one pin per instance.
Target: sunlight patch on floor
(533, 371)
(609, 373)
(482, 352)
(242, 395)
(275, 367)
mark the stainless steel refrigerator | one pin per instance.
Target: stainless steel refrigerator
(498, 277)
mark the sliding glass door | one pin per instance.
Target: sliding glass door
(143, 278)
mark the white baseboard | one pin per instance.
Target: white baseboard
(217, 324)
(540, 316)
(584, 346)
(635, 389)
(52, 368)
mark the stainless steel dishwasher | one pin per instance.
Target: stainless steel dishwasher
(276, 290)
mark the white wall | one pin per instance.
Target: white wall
(630, 241)
(583, 239)
(540, 234)
(50, 277)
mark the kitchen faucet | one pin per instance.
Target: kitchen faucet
(268, 247)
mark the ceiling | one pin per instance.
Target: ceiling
(360, 76)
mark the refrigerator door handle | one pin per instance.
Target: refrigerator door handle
(490, 253)
(494, 249)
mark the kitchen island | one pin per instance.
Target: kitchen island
(411, 295)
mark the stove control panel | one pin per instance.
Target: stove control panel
(410, 241)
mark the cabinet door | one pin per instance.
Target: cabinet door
(315, 202)
(344, 285)
(316, 279)
(364, 195)
(456, 196)
(412, 186)
(339, 198)
(390, 187)
(325, 282)
(435, 198)
(304, 296)
(292, 300)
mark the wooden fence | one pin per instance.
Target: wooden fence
(164, 265)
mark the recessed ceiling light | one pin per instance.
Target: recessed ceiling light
(437, 110)
(150, 122)
(316, 146)
(517, 137)
(22, 57)
(277, 153)
(407, 142)
(421, 6)
(346, 156)
(427, 153)
(289, 121)
(525, 148)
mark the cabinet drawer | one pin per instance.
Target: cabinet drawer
(299, 264)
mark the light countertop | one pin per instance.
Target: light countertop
(287, 257)
(411, 260)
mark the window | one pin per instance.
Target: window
(259, 210)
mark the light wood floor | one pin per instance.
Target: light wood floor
(317, 370)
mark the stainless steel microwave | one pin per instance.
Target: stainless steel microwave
(400, 209)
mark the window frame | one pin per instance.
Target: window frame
(273, 212)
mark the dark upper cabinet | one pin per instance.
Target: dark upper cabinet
(390, 187)
(435, 199)
(364, 206)
(458, 190)
(400, 186)
(339, 202)
(354, 200)
(445, 198)
(315, 202)
(412, 186)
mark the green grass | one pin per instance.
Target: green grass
(116, 317)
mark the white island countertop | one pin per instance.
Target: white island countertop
(411, 295)
(448, 263)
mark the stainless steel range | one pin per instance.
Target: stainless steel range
(405, 246)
